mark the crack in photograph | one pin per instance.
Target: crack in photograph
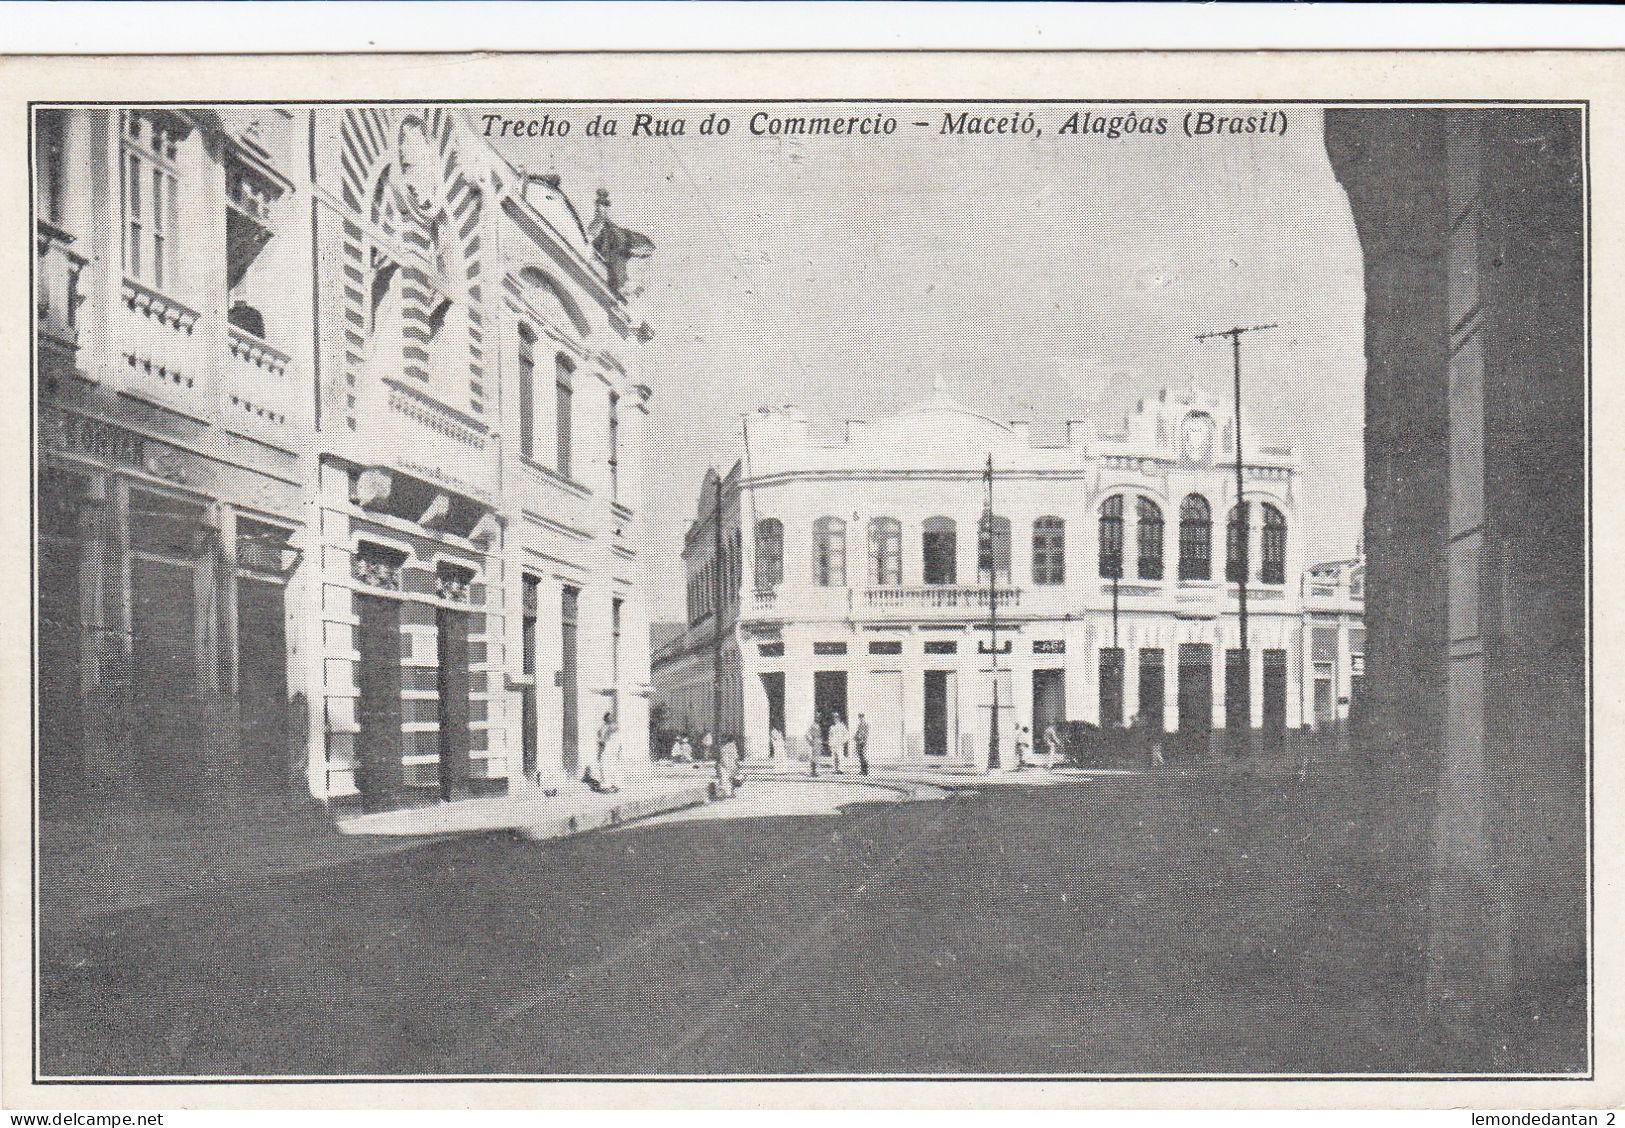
(836, 589)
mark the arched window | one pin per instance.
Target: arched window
(1273, 566)
(1111, 537)
(829, 552)
(1195, 539)
(939, 548)
(1150, 536)
(993, 548)
(769, 553)
(1049, 551)
(1235, 543)
(885, 552)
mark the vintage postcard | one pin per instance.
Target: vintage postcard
(981, 579)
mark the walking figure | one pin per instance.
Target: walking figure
(838, 736)
(860, 744)
(815, 737)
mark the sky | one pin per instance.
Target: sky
(1040, 276)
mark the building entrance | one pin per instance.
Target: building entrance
(452, 633)
(773, 688)
(262, 686)
(1195, 693)
(941, 712)
(1049, 702)
(829, 697)
(378, 710)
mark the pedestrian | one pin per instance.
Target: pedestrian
(730, 774)
(597, 775)
(680, 752)
(776, 751)
(1024, 744)
(860, 744)
(838, 737)
(609, 754)
(1052, 745)
(708, 747)
(815, 737)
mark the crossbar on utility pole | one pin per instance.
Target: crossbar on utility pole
(1241, 505)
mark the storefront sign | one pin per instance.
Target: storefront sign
(76, 434)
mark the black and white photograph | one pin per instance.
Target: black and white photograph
(833, 589)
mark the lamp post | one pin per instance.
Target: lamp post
(1241, 509)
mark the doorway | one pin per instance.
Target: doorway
(773, 689)
(378, 711)
(1275, 690)
(569, 712)
(1195, 688)
(451, 631)
(829, 697)
(61, 705)
(941, 712)
(262, 686)
(1049, 701)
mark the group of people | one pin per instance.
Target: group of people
(730, 772)
(832, 739)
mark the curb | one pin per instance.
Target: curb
(565, 826)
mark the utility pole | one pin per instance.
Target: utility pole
(992, 615)
(1241, 509)
(719, 590)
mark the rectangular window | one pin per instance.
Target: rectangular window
(886, 647)
(149, 197)
(770, 649)
(1111, 687)
(828, 648)
(941, 646)
(527, 392)
(564, 407)
(1049, 551)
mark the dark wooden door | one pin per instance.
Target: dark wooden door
(61, 710)
(452, 632)
(936, 712)
(570, 712)
(378, 711)
(1049, 701)
(169, 757)
(1195, 688)
(262, 686)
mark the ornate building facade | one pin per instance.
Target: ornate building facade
(476, 512)
(858, 575)
(339, 417)
(173, 413)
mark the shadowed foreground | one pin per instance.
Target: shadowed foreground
(1105, 926)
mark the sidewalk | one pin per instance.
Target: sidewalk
(120, 856)
(533, 813)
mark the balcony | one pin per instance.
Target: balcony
(258, 399)
(58, 300)
(938, 597)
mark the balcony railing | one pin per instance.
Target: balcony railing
(259, 395)
(59, 297)
(937, 597)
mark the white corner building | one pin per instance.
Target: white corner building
(853, 579)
